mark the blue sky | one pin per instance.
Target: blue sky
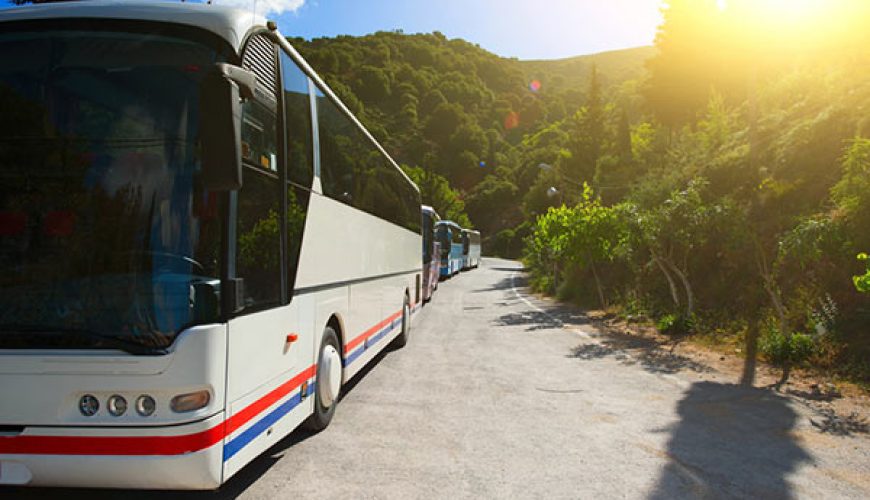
(527, 29)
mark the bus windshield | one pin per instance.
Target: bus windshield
(106, 239)
(442, 234)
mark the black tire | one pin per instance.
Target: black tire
(322, 415)
(402, 339)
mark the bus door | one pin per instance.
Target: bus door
(270, 368)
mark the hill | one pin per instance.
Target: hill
(461, 118)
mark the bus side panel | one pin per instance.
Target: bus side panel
(267, 377)
(379, 260)
(456, 258)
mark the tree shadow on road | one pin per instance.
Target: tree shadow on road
(549, 318)
(649, 354)
(731, 441)
(503, 284)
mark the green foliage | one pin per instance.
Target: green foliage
(675, 324)
(862, 283)
(436, 192)
(781, 350)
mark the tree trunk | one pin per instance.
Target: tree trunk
(598, 285)
(675, 296)
(769, 284)
(690, 296)
(747, 379)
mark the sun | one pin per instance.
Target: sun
(792, 23)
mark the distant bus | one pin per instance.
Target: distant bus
(186, 278)
(449, 235)
(431, 252)
(470, 249)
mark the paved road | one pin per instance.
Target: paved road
(499, 395)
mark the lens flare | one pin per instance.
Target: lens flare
(535, 86)
(512, 120)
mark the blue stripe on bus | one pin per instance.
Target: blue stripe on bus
(371, 341)
(243, 439)
(350, 358)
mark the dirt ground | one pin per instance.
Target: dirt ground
(841, 408)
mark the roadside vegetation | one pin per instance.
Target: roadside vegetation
(744, 202)
(717, 184)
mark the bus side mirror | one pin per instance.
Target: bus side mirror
(220, 125)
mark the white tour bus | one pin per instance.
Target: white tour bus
(470, 249)
(200, 244)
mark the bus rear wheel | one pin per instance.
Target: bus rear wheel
(327, 383)
(402, 339)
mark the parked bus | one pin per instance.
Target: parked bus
(470, 249)
(431, 252)
(449, 235)
(186, 278)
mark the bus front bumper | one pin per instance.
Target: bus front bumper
(186, 456)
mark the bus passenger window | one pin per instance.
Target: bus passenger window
(339, 150)
(297, 120)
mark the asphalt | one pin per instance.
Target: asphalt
(502, 395)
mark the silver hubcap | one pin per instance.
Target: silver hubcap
(329, 376)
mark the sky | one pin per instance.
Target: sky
(525, 29)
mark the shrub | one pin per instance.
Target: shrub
(779, 349)
(675, 324)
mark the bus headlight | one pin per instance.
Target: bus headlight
(145, 405)
(117, 405)
(190, 402)
(89, 405)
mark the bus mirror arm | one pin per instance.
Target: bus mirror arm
(246, 80)
(220, 123)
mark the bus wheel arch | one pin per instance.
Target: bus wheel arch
(338, 326)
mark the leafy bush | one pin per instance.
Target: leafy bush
(779, 349)
(676, 324)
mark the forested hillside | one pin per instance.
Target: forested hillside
(469, 126)
(718, 182)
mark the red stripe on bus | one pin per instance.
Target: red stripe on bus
(368, 333)
(258, 406)
(149, 445)
(111, 445)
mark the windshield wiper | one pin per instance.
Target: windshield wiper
(96, 339)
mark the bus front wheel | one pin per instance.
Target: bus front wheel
(327, 383)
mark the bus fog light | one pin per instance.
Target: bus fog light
(89, 405)
(190, 402)
(117, 405)
(145, 405)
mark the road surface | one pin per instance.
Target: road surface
(501, 395)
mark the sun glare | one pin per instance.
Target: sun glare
(792, 23)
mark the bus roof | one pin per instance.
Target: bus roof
(448, 223)
(430, 210)
(230, 24)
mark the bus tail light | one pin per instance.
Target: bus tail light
(190, 402)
